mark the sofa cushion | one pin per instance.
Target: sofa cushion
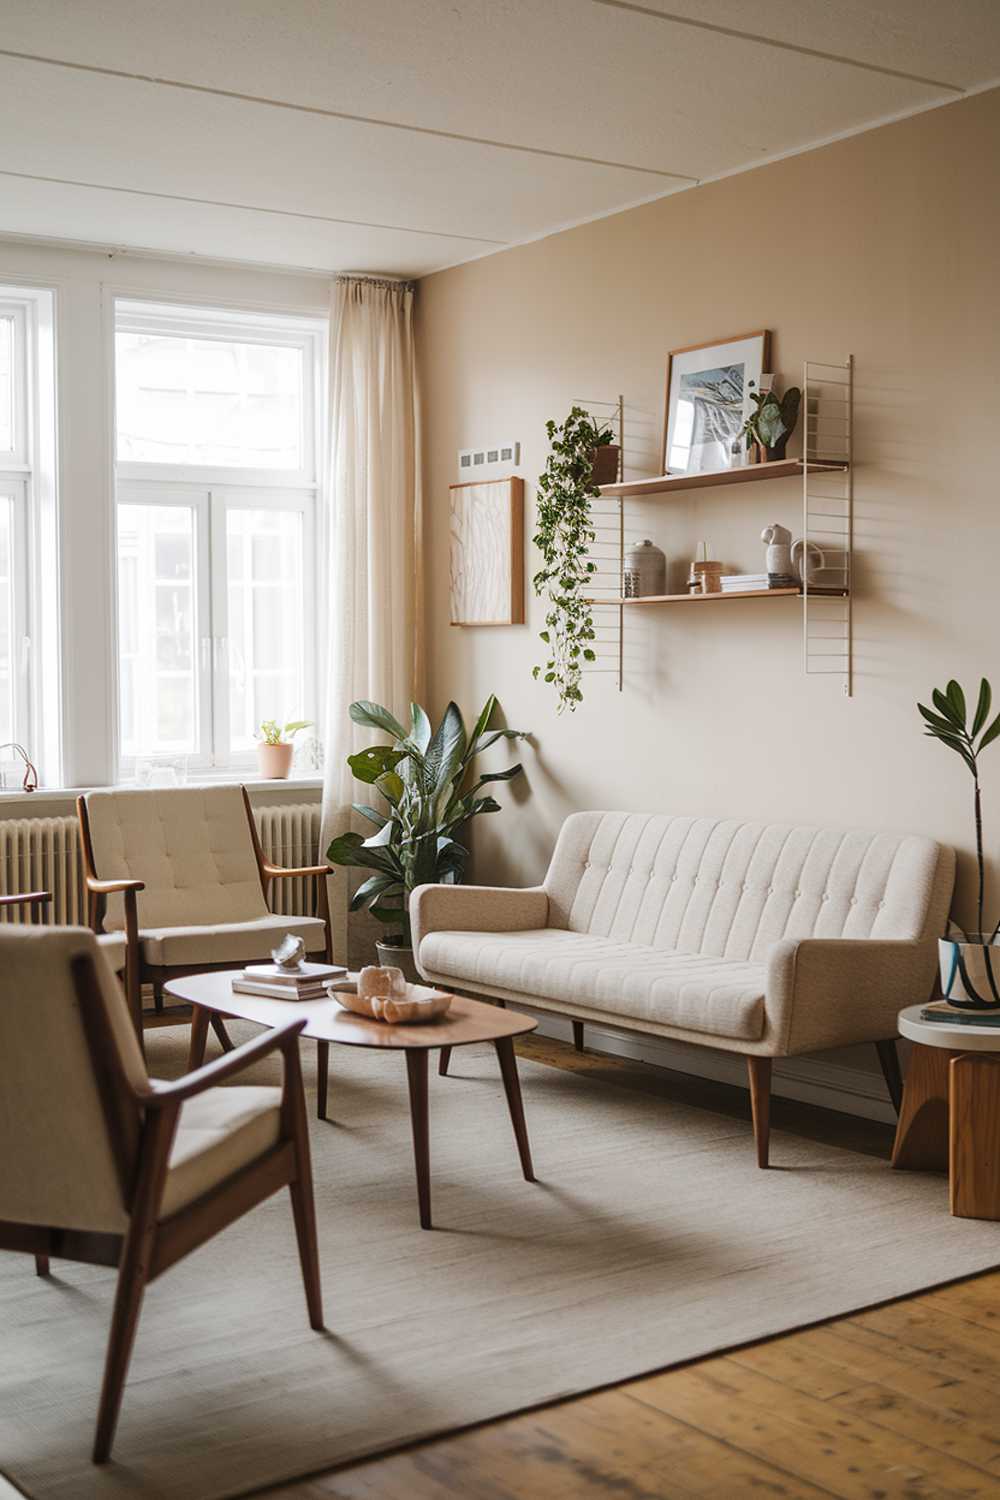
(718, 997)
(228, 942)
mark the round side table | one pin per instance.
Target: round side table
(950, 1117)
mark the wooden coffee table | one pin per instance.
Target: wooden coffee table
(467, 1021)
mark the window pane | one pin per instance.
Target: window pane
(264, 549)
(6, 620)
(6, 385)
(208, 401)
(156, 630)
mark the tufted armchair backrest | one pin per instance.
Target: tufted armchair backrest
(191, 845)
(57, 1160)
(729, 889)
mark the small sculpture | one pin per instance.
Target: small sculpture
(378, 983)
(779, 550)
(289, 953)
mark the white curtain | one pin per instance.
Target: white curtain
(374, 647)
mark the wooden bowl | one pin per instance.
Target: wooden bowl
(421, 1003)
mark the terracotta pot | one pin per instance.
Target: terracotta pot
(605, 463)
(275, 761)
(392, 957)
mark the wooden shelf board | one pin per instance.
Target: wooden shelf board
(786, 468)
(790, 593)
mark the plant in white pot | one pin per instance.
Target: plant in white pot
(970, 968)
(275, 747)
(430, 791)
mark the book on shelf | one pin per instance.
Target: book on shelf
(738, 583)
(303, 977)
(314, 991)
(945, 1014)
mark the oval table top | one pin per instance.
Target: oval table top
(958, 1036)
(467, 1021)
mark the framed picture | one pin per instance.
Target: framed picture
(707, 400)
(486, 526)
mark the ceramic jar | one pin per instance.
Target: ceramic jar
(645, 571)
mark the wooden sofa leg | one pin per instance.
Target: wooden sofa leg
(578, 1035)
(41, 1265)
(759, 1071)
(888, 1056)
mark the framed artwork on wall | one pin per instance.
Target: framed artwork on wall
(708, 401)
(486, 527)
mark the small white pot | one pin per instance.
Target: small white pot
(967, 970)
(275, 761)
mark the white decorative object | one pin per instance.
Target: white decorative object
(645, 571)
(418, 1002)
(970, 972)
(289, 953)
(816, 563)
(377, 983)
(779, 549)
(487, 552)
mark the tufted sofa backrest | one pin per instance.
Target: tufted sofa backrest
(192, 847)
(729, 889)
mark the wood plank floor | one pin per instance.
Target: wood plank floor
(898, 1402)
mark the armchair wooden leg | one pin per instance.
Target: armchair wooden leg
(888, 1056)
(124, 1323)
(759, 1071)
(41, 1265)
(443, 1060)
(303, 1204)
(578, 1035)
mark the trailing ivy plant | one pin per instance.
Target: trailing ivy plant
(564, 535)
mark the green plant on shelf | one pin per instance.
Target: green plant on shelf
(273, 733)
(772, 421)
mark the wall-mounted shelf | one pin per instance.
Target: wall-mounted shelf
(790, 593)
(663, 484)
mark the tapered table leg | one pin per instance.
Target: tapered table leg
(974, 1121)
(416, 1073)
(512, 1088)
(199, 1037)
(322, 1077)
(444, 1058)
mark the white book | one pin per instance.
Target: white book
(278, 991)
(294, 979)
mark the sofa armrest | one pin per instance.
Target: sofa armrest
(833, 992)
(475, 908)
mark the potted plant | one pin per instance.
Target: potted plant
(564, 534)
(430, 792)
(970, 972)
(275, 748)
(771, 422)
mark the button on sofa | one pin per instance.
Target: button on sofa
(763, 939)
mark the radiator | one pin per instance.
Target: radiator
(43, 854)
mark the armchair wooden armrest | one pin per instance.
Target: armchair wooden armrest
(284, 1039)
(279, 872)
(111, 887)
(26, 898)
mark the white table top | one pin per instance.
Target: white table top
(956, 1037)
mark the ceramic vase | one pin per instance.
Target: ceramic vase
(970, 973)
(275, 761)
(645, 571)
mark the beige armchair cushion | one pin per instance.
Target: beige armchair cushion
(190, 845)
(712, 996)
(228, 942)
(114, 949)
(219, 1132)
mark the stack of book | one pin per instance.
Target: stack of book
(307, 982)
(940, 1010)
(743, 583)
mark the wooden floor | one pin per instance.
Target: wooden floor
(898, 1402)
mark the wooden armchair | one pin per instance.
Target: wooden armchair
(114, 1168)
(112, 944)
(182, 874)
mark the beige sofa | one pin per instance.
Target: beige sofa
(762, 939)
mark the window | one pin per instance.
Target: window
(217, 479)
(28, 607)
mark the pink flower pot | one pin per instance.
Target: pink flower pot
(275, 761)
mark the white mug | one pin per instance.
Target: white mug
(817, 561)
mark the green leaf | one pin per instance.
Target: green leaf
(945, 707)
(382, 838)
(445, 751)
(982, 707)
(368, 765)
(387, 914)
(420, 733)
(957, 700)
(391, 787)
(376, 717)
(935, 720)
(370, 813)
(482, 723)
(341, 850)
(990, 734)
(371, 889)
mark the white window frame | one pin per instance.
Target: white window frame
(28, 475)
(211, 491)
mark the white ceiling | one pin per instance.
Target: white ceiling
(405, 135)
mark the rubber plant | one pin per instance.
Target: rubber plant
(430, 791)
(564, 534)
(948, 722)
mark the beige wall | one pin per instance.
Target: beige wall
(886, 246)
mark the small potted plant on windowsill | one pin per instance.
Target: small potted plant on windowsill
(275, 747)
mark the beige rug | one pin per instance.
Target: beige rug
(650, 1238)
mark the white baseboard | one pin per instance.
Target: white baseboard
(810, 1080)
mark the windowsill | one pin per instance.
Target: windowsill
(18, 798)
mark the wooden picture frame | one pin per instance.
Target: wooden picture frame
(756, 363)
(486, 558)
